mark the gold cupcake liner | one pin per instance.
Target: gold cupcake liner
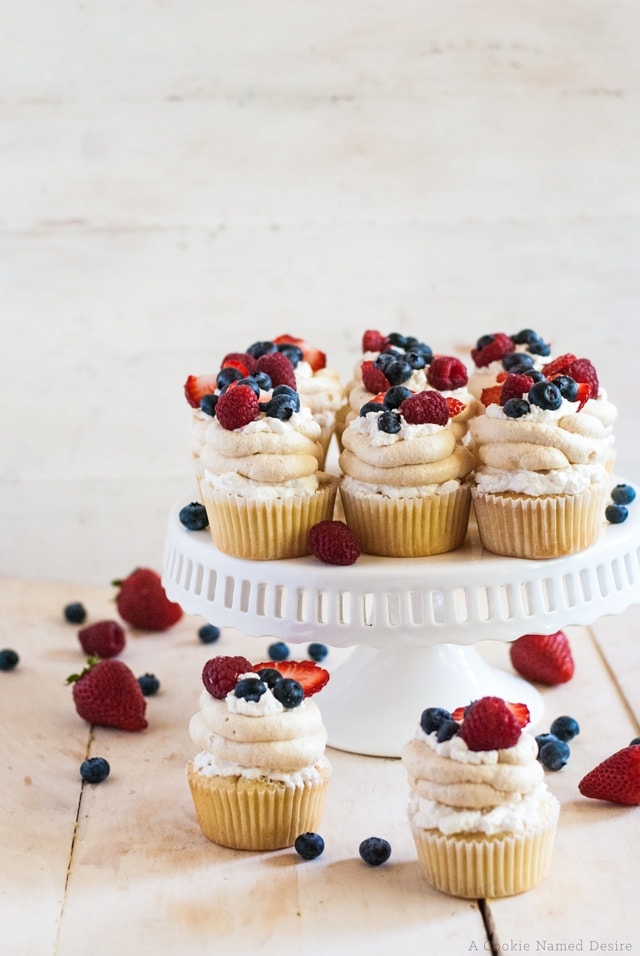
(523, 526)
(266, 530)
(408, 527)
(256, 814)
(474, 866)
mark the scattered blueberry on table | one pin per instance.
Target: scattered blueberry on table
(375, 851)
(309, 845)
(94, 769)
(149, 684)
(565, 728)
(8, 659)
(75, 613)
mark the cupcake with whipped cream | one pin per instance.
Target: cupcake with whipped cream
(404, 485)
(481, 815)
(260, 774)
(543, 461)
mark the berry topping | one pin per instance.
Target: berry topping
(565, 727)
(283, 403)
(308, 674)
(623, 494)
(197, 386)
(553, 753)
(513, 359)
(491, 395)
(270, 676)
(567, 386)
(616, 514)
(278, 367)
(533, 342)
(491, 348)
(107, 693)
(243, 361)
(373, 341)
(237, 407)
(447, 730)
(543, 658)
(193, 516)
(489, 724)
(289, 692)
(515, 386)
(333, 542)
(315, 357)
(8, 659)
(616, 779)
(454, 406)
(425, 408)
(220, 674)
(447, 373)
(581, 369)
(226, 376)
(371, 407)
(143, 603)
(395, 396)
(519, 711)
(261, 348)
(250, 688)
(317, 652)
(94, 769)
(375, 851)
(400, 370)
(102, 639)
(374, 379)
(309, 845)
(149, 684)
(208, 404)
(389, 421)
(278, 651)
(75, 613)
(432, 717)
(516, 407)
(546, 395)
(209, 633)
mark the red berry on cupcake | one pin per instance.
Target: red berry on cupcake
(447, 373)
(423, 408)
(237, 406)
(220, 674)
(490, 724)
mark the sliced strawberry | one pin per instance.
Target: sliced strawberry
(374, 379)
(616, 779)
(584, 394)
(543, 658)
(197, 386)
(314, 356)
(373, 341)
(455, 406)
(557, 366)
(491, 395)
(244, 362)
(519, 711)
(308, 674)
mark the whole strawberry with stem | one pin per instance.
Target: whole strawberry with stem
(107, 693)
(143, 603)
(543, 658)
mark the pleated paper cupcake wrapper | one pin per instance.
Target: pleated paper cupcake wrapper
(408, 527)
(255, 814)
(266, 530)
(475, 867)
(522, 526)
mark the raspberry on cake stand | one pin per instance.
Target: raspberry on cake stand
(411, 622)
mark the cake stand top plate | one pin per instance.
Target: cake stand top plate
(461, 597)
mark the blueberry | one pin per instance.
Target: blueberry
(546, 395)
(149, 684)
(94, 769)
(397, 339)
(565, 728)
(309, 845)
(623, 494)
(194, 516)
(289, 692)
(421, 348)
(251, 382)
(228, 375)
(553, 753)
(567, 386)
(523, 369)
(416, 359)
(375, 850)
(386, 358)
(396, 396)
(292, 351)
(278, 651)
(635, 742)
(516, 407)
(208, 404)
(263, 381)
(209, 633)
(532, 340)
(447, 730)
(317, 652)
(371, 407)
(291, 392)
(513, 359)
(281, 407)
(432, 717)
(389, 421)
(616, 514)
(75, 613)
(261, 348)
(250, 688)
(398, 372)
(483, 341)
(8, 659)
(269, 676)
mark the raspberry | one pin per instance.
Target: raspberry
(237, 406)
(102, 639)
(515, 386)
(334, 543)
(497, 347)
(278, 367)
(447, 373)
(373, 341)
(374, 379)
(424, 408)
(244, 362)
(489, 724)
(220, 674)
(582, 370)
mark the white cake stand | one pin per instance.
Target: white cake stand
(409, 621)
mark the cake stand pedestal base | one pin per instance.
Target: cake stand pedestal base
(373, 702)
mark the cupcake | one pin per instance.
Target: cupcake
(497, 353)
(403, 486)
(262, 485)
(481, 815)
(540, 483)
(260, 775)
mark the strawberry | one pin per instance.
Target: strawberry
(278, 367)
(557, 366)
(315, 357)
(455, 406)
(447, 373)
(244, 362)
(334, 543)
(220, 674)
(519, 711)
(581, 369)
(425, 407)
(489, 724)
(493, 348)
(543, 658)
(491, 395)
(237, 406)
(616, 779)
(308, 674)
(107, 693)
(197, 386)
(515, 386)
(102, 639)
(142, 601)
(373, 378)
(584, 394)
(373, 341)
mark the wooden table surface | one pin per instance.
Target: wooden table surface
(122, 866)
